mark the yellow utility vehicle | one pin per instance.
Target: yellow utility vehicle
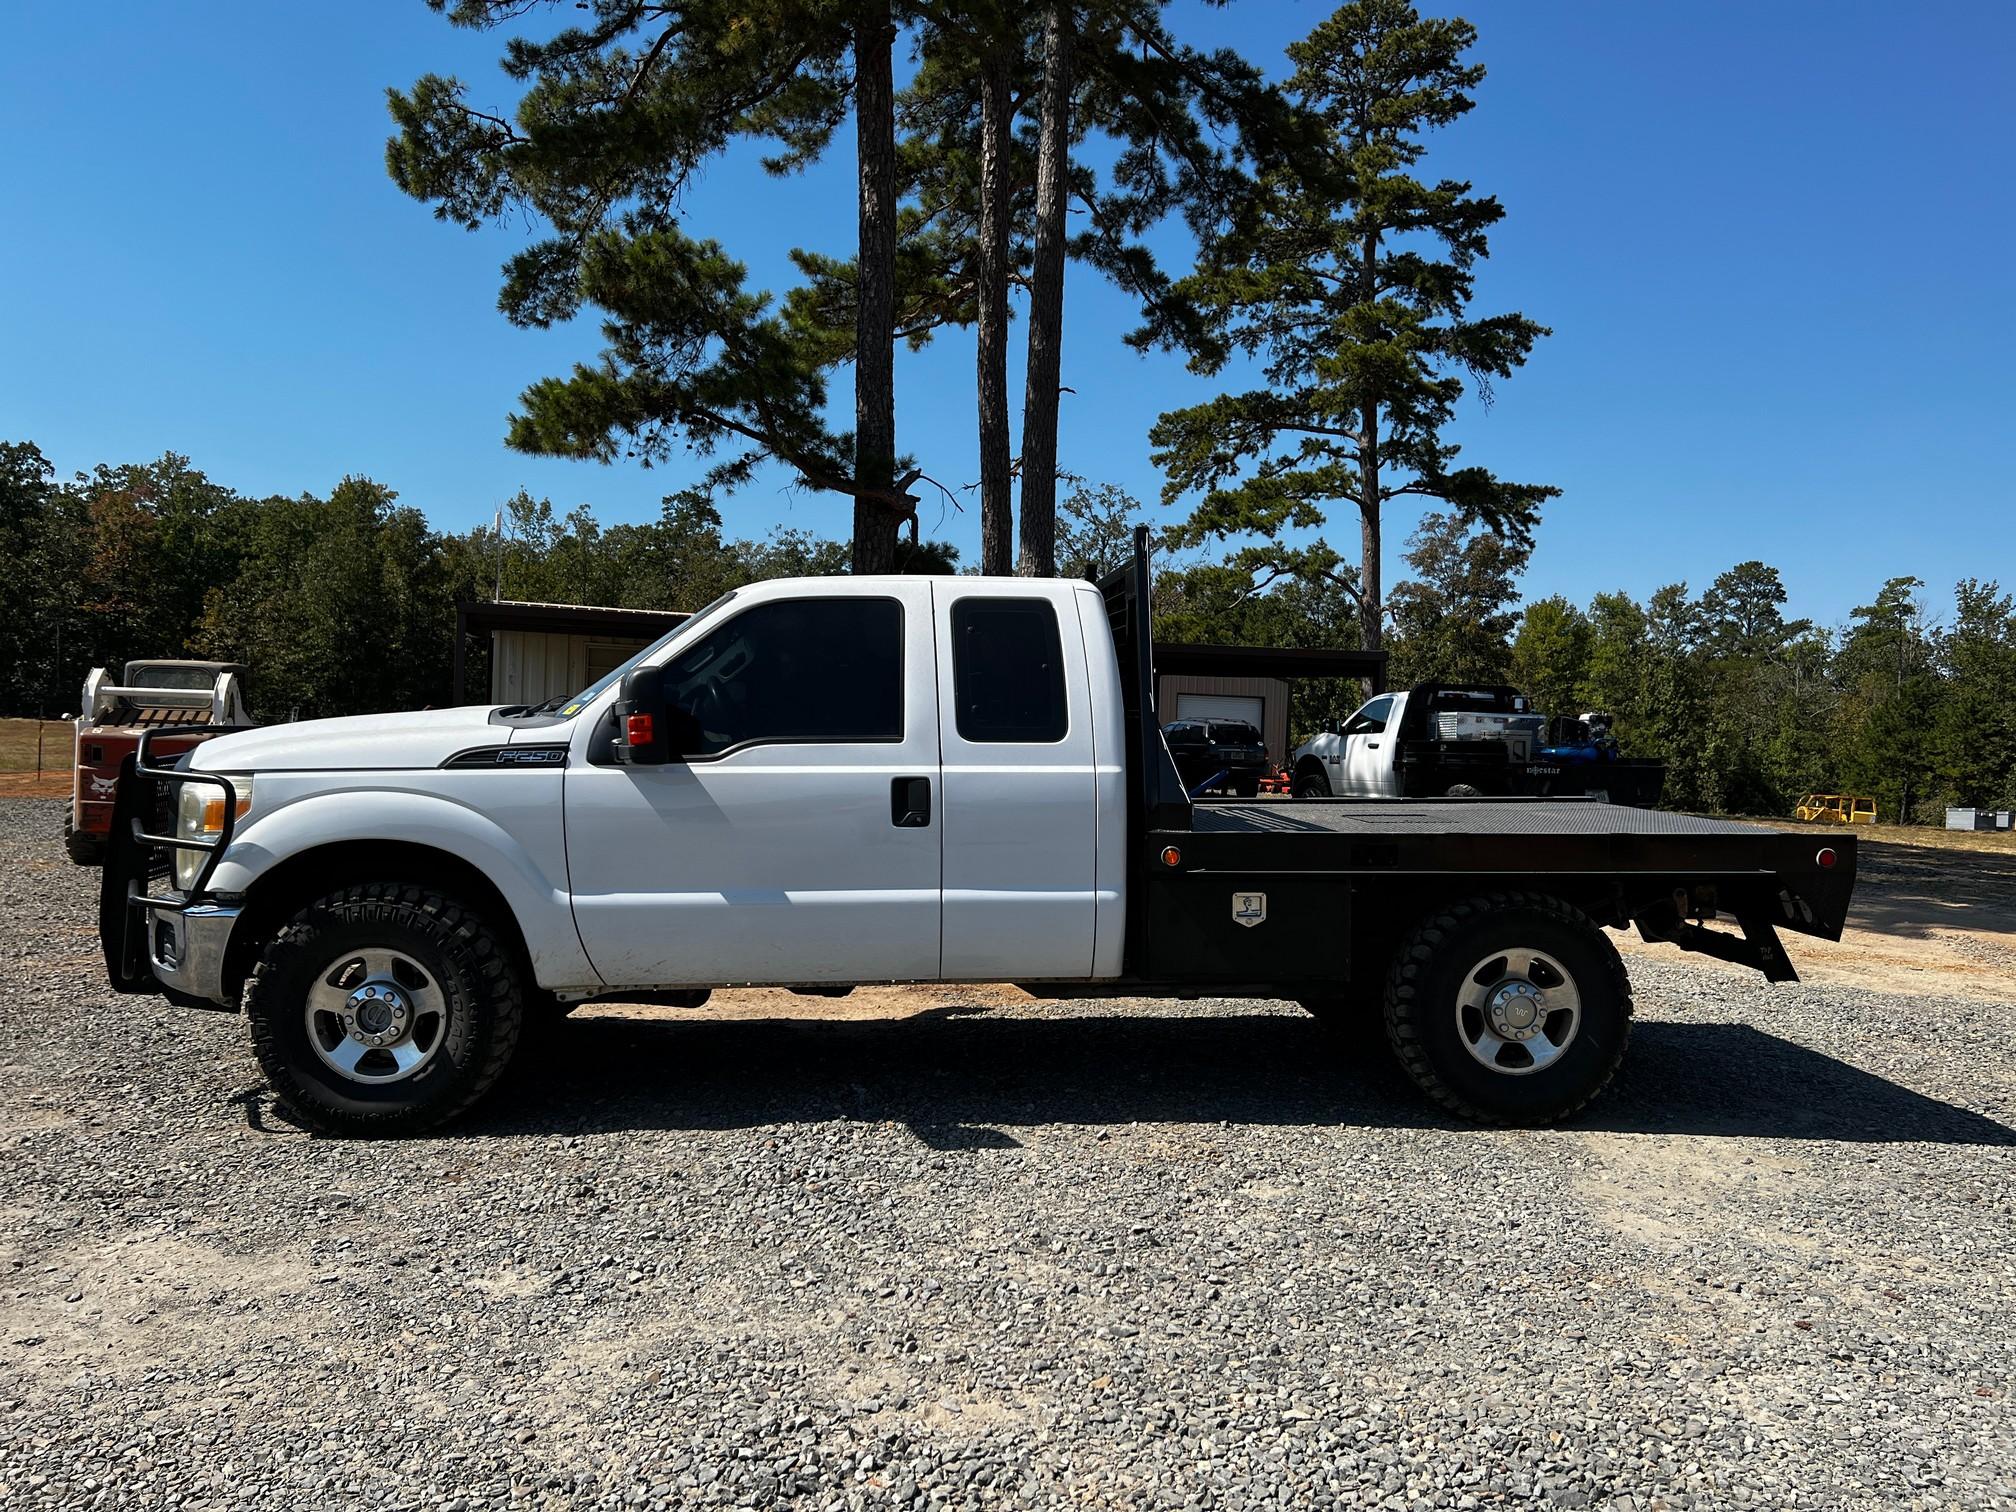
(1836, 808)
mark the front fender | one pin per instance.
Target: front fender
(515, 840)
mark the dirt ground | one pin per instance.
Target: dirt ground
(988, 1251)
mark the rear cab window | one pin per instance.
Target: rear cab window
(1008, 672)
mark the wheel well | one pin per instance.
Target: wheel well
(1380, 922)
(279, 893)
(1308, 764)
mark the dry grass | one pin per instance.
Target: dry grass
(17, 745)
(1924, 836)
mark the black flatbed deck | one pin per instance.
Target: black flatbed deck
(1284, 892)
(1450, 816)
(1501, 838)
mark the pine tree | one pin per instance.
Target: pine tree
(1350, 280)
(1453, 619)
(617, 115)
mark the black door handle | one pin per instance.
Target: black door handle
(910, 802)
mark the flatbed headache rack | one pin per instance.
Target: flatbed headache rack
(1337, 869)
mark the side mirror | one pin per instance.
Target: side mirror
(643, 731)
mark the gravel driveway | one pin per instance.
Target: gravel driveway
(989, 1252)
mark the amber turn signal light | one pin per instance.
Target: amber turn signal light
(1171, 856)
(638, 729)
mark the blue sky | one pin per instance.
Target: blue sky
(1773, 241)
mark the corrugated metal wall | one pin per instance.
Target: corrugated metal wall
(1272, 692)
(531, 666)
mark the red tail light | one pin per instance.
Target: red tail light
(1826, 858)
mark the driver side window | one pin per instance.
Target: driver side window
(1370, 720)
(795, 670)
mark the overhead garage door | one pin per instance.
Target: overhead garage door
(1220, 706)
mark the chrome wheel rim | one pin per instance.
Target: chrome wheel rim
(1518, 1011)
(376, 1016)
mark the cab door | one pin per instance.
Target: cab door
(799, 840)
(1367, 763)
(1021, 806)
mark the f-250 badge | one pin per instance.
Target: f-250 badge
(1249, 909)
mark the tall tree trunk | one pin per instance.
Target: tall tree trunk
(875, 518)
(1046, 302)
(1371, 606)
(997, 525)
(1371, 609)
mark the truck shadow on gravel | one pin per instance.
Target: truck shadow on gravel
(968, 1082)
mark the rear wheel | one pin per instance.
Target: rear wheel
(1509, 1008)
(1311, 782)
(1464, 790)
(1246, 787)
(384, 1008)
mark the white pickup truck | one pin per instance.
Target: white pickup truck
(1467, 740)
(825, 782)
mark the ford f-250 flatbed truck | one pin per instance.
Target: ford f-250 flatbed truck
(824, 782)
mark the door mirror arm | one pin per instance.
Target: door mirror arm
(645, 733)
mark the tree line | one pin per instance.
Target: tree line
(1749, 709)
(340, 604)
(345, 604)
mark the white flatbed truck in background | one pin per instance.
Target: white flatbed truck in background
(831, 781)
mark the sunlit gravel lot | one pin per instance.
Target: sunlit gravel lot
(950, 1249)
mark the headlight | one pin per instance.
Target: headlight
(199, 815)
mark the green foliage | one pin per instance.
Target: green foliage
(340, 605)
(1095, 533)
(1551, 654)
(615, 117)
(45, 543)
(1450, 622)
(1349, 280)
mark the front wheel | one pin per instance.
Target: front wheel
(1509, 1008)
(1311, 782)
(384, 1008)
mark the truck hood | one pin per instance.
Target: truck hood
(368, 742)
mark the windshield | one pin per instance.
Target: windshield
(570, 704)
(186, 679)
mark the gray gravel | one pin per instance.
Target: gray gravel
(1129, 1255)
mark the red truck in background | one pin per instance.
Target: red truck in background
(150, 695)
